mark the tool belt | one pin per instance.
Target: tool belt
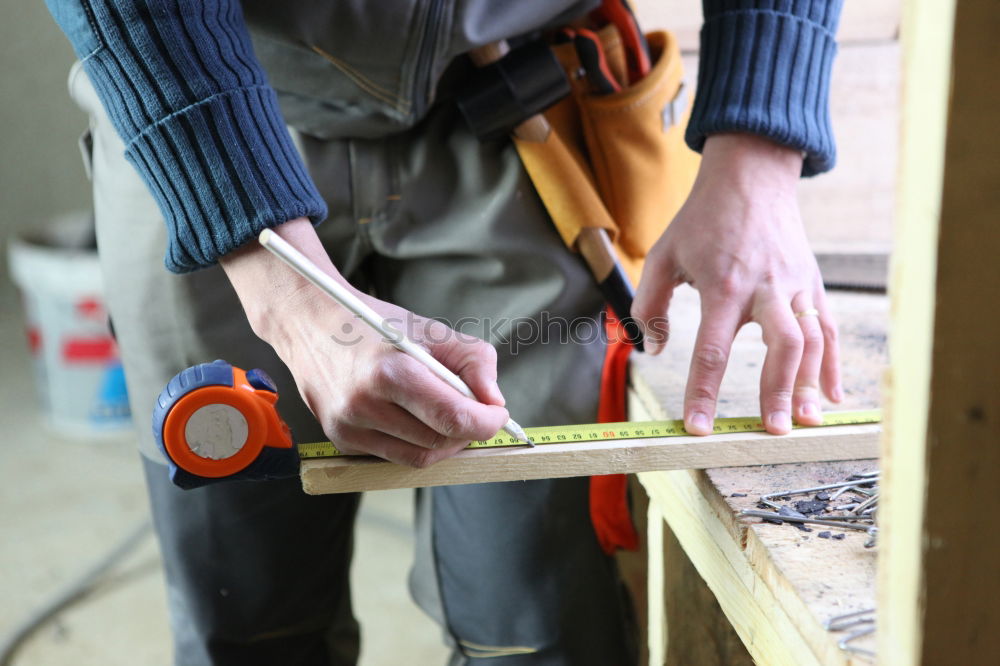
(615, 161)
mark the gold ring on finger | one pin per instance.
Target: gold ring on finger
(811, 312)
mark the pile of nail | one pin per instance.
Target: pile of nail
(848, 505)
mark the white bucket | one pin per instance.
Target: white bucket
(79, 374)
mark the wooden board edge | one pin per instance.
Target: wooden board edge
(656, 633)
(928, 27)
(355, 474)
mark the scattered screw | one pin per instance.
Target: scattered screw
(786, 494)
(867, 503)
(842, 491)
(845, 643)
(848, 620)
(863, 475)
(777, 518)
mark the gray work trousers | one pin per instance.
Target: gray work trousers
(444, 226)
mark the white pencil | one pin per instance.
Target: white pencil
(307, 269)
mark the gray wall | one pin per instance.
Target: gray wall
(40, 169)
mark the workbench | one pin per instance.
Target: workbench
(771, 588)
(776, 585)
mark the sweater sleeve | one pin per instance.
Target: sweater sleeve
(765, 69)
(182, 86)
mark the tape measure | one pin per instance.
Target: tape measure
(216, 422)
(596, 432)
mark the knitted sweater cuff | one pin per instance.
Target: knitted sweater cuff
(222, 170)
(183, 88)
(765, 69)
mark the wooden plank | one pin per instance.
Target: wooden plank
(632, 566)
(940, 597)
(698, 631)
(859, 21)
(703, 634)
(656, 613)
(927, 47)
(356, 473)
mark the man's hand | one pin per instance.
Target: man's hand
(739, 241)
(369, 397)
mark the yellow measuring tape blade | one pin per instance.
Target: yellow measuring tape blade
(595, 432)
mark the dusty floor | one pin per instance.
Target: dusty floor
(65, 502)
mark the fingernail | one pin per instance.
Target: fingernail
(780, 420)
(700, 421)
(838, 394)
(809, 410)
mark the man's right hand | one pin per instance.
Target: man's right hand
(369, 397)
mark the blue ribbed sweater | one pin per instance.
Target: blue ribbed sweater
(201, 125)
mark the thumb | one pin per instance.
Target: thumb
(652, 301)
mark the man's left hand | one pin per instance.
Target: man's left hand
(739, 241)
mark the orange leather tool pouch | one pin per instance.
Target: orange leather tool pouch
(627, 147)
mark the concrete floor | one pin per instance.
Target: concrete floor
(65, 502)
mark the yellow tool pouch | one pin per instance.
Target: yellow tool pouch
(616, 161)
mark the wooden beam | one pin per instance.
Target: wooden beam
(353, 474)
(939, 595)
(656, 609)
